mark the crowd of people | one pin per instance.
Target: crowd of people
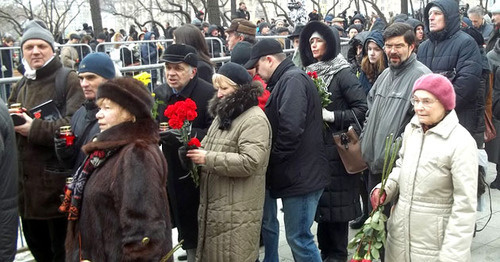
(114, 186)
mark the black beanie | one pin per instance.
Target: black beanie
(236, 73)
(130, 94)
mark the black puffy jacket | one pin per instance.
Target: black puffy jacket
(297, 165)
(340, 199)
(455, 54)
(84, 126)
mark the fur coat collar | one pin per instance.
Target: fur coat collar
(143, 131)
(230, 107)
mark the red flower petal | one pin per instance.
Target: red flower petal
(194, 142)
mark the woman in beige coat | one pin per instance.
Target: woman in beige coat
(234, 160)
(434, 181)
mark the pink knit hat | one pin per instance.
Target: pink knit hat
(439, 86)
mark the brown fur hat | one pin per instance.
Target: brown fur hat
(130, 94)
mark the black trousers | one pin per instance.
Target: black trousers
(332, 239)
(45, 238)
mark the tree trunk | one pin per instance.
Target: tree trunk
(95, 12)
(233, 9)
(213, 12)
(404, 6)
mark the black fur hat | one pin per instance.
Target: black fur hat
(130, 94)
(329, 34)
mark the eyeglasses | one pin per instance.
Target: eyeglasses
(397, 47)
(426, 102)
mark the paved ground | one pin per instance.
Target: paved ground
(485, 246)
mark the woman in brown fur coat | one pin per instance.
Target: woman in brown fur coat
(117, 202)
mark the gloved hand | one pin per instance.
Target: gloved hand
(185, 161)
(376, 199)
(63, 151)
(328, 116)
(171, 137)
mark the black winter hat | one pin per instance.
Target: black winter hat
(241, 53)
(130, 94)
(296, 31)
(266, 46)
(178, 53)
(236, 73)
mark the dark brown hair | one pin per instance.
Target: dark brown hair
(190, 35)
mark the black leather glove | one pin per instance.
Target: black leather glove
(171, 137)
(64, 152)
(185, 161)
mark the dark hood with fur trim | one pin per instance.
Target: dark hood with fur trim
(451, 16)
(330, 35)
(143, 131)
(230, 107)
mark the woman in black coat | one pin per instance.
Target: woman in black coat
(320, 52)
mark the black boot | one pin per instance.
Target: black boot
(358, 222)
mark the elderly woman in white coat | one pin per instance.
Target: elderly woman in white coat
(235, 155)
(434, 181)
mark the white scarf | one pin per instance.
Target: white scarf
(29, 72)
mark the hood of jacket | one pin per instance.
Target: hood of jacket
(374, 36)
(451, 16)
(414, 23)
(232, 106)
(329, 34)
(360, 17)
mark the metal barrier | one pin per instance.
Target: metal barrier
(125, 50)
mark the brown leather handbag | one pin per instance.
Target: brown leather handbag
(349, 148)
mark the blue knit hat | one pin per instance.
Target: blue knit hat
(99, 64)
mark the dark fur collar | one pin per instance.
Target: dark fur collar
(143, 131)
(230, 107)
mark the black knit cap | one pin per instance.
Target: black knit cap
(236, 73)
(130, 94)
(241, 52)
(178, 53)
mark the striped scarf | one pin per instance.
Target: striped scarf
(73, 194)
(327, 69)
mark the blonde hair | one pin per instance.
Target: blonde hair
(221, 80)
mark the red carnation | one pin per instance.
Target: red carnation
(366, 260)
(194, 142)
(355, 260)
(314, 74)
(175, 123)
(309, 74)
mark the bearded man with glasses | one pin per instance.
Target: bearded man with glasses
(389, 107)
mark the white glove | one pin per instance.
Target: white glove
(4, 68)
(328, 116)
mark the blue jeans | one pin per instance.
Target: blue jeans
(299, 214)
(270, 229)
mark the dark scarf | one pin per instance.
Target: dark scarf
(232, 106)
(74, 192)
(143, 131)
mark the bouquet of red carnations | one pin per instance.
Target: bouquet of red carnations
(180, 115)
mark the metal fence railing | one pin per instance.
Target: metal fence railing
(130, 56)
